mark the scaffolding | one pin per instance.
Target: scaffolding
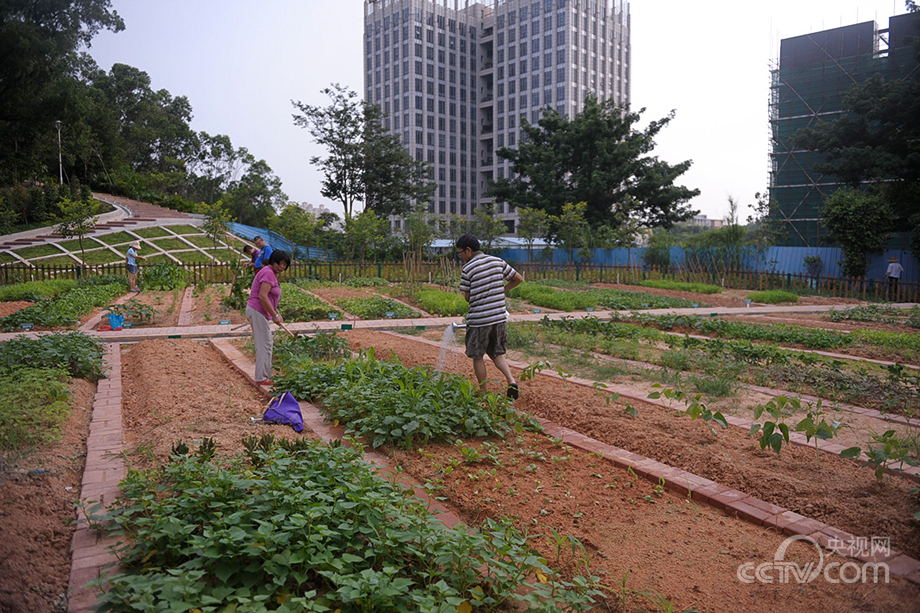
(808, 85)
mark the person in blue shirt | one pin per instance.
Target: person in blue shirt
(253, 254)
(132, 257)
(265, 252)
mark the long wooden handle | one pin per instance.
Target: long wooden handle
(285, 328)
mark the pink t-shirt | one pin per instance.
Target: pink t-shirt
(265, 275)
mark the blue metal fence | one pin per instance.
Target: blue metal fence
(783, 260)
(279, 242)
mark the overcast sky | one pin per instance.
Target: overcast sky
(240, 62)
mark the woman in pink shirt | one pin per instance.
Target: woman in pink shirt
(262, 308)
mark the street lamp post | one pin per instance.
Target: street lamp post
(57, 124)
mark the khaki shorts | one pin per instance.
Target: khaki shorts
(486, 340)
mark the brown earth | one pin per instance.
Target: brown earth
(184, 390)
(8, 308)
(332, 294)
(165, 303)
(650, 539)
(37, 514)
(817, 485)
(207, 309)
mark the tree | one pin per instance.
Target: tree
(419, 232)
(860, 222)
(365, 233)
(572, 229)
(39, 44)
(532, 224)
(486, 226)
(78, 219)
(599, 158)
(216, 218)
(363, 163)
(297, 225)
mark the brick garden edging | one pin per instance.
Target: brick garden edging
(185, 308)
(732, 501)
(91, 556)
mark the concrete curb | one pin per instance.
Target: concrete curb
(91, 556)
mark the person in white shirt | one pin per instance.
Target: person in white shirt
(894, 276)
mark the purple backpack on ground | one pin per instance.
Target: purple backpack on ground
(285, 410)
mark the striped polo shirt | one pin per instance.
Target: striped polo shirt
(484, 278)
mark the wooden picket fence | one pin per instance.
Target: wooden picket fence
(448, 271)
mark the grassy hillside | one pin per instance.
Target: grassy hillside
(175, 243)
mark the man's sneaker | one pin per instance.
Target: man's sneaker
(513, 391)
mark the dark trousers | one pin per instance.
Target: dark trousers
(893, 288)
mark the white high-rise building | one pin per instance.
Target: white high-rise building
(454, 78)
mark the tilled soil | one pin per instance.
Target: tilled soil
(37, 514)
(184, 390)
(165, 303)
(687, 552)
(817, 485)
(8, 308)
(207, 309)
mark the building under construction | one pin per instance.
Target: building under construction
(815, 72)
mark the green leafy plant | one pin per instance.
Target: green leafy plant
(699, 288)
(77, 353)
(163, 276)
(34, 404)
(64, 310)
(392, 404)
(772, 433)
(441, 302)
(366, 282)
(36, 291)
(773, 296)
(694, 407)
(888, 449)
(239, 288)
(376, 308)
(297, 305)
(311, 527)
(321, 346)
(133, 310)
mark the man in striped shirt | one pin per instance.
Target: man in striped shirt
(483, 283)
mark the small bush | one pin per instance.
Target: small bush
(773, 296)
(698, 288)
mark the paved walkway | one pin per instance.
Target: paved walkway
(137, 334)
